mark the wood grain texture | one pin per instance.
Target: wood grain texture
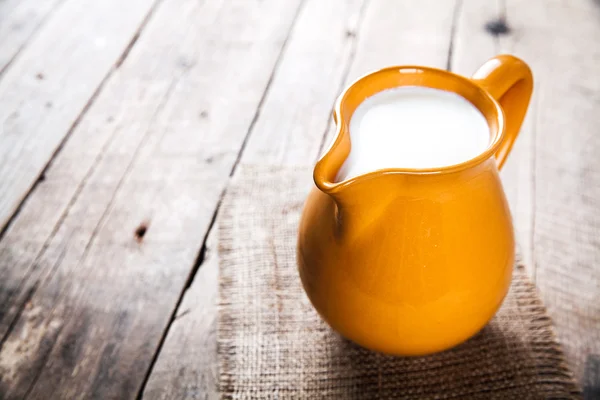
(186, 367)
(298, 107)
(48, 86)
(552, 177)
(402, 33)
(288, 130)
(19, 20)
(90, 294)
(558, 39)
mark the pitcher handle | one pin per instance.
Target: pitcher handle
(508, 79)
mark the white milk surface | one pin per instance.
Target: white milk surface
(413, 127)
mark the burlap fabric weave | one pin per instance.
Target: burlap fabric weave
(273, 345)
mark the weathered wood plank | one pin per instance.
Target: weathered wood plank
(558, 38)
(99, 255)
(19, 20)
(402, 33)
(552, 176)
(186, 367)
(48, 205)
(298, 106)
(48, 86)
(289, 131)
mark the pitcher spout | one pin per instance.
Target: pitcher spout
(327, 175)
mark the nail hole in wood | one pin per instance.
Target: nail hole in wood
(497, 27)
(40, 76)
(185, 63)
(203, 114)
(141, 231)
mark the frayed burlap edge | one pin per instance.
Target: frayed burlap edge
(550, 361)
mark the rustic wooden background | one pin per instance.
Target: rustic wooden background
(121, 123)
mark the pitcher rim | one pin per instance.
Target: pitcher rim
(342, 129)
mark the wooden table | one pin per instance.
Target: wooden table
(121, 123)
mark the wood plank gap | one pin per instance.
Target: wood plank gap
(135, 37)
(265, 93)
(201, 254)
(128, 168)
(347, 69)
(33, 289)
(535, 117)
(199, 261)
(39, 371)
(82, 113)
(37, 28)
(455, 19)
(19, 312)
(17, 317)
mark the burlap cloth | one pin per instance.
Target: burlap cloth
(273, 345)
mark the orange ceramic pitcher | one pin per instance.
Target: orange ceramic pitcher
(415, 261)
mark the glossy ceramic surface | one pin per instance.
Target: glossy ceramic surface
(415, 261)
